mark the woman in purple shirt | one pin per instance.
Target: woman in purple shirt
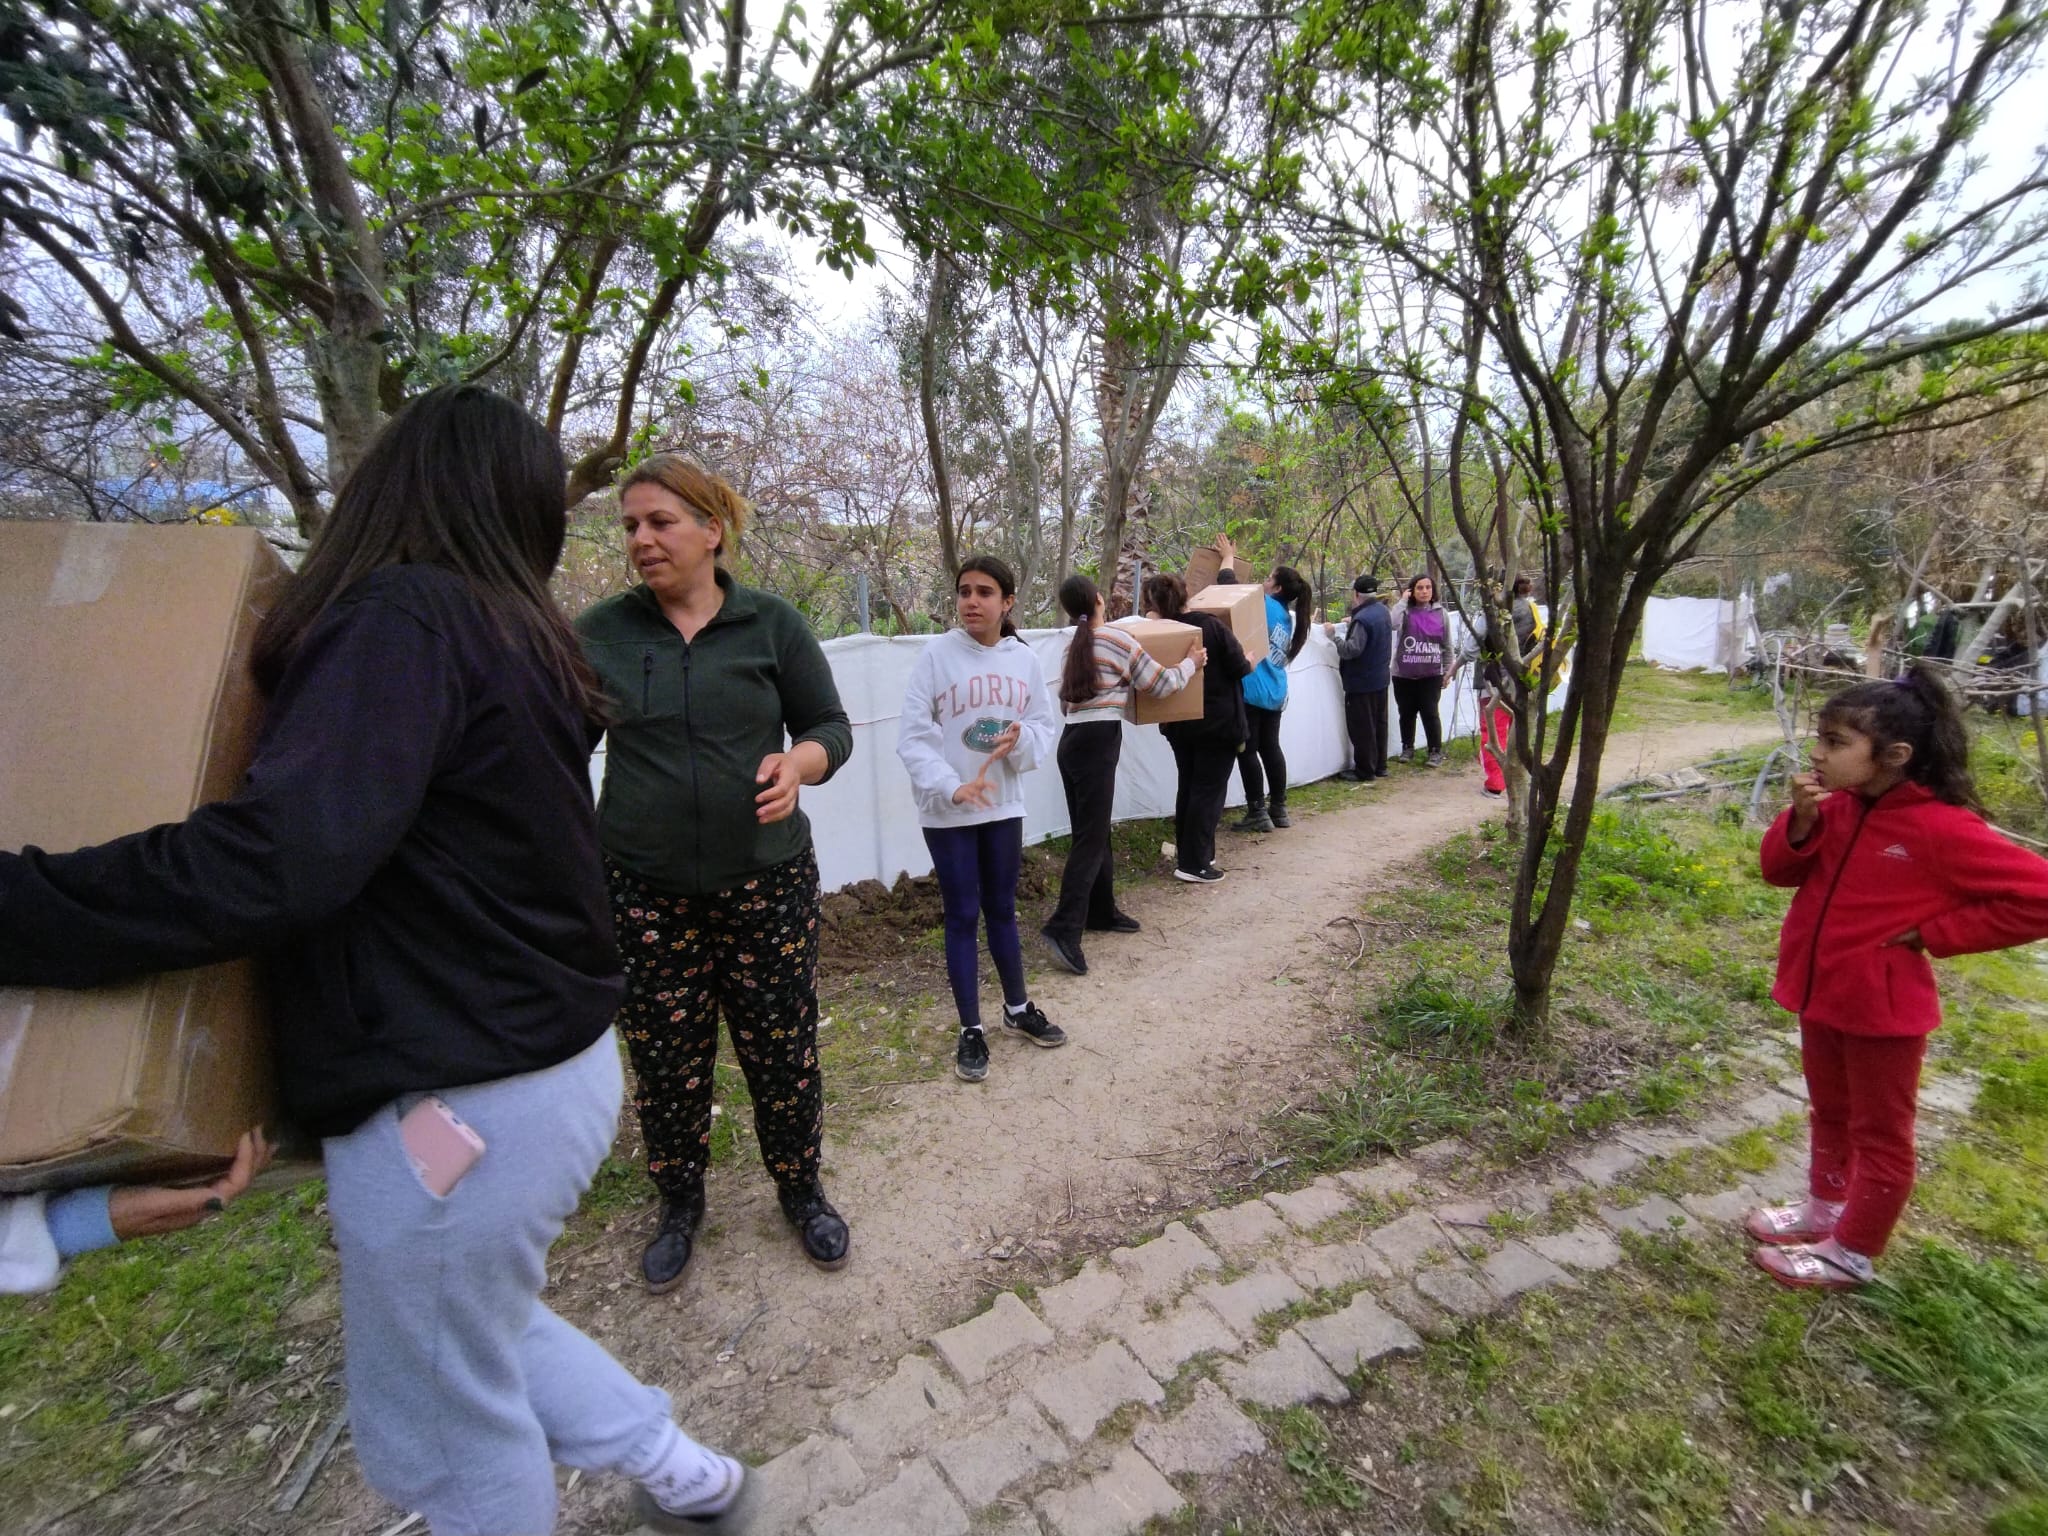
(1422, 660)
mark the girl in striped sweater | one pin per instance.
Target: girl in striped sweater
(1104, 667)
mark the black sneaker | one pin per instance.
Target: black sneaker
(819, 1228)
(665, 1258)
(1277, 814)
(1123, 922)
(1033, 1026)
(1066, 951)
(1210, 874)
(970, 1061)
(1192, 876)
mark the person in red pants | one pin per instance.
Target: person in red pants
(1892, 859)
(1496, 719)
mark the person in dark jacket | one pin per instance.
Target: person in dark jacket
(714, 883)
(1203, 750)
(1365, 653)
(414, 853)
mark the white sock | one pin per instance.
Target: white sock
(1016, 1009)
(970, 1029)
(691, 1479)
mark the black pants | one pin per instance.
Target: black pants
(1418, 696)
(751, 952)
(1088, 757)
(1261, 760)
(1365, 720)
(1204, 763)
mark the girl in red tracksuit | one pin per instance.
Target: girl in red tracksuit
(1893, 862)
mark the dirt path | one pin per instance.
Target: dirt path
(1184, 1039)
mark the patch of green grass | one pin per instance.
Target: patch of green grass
(1389, 1104)
(1967, 1339)
(1426, 1011)
(2027, 1517)
(133, 1325)
(1304, 1442)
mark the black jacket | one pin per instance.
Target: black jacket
(1365, 650)
(413, 852)
(1222, 687)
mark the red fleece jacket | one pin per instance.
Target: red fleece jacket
(1873, 869)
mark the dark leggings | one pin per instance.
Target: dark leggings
(977, 868)
(1088, 757)
(1261, 761)
(1418, 695)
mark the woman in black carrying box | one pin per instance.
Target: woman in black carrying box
(1204, 750)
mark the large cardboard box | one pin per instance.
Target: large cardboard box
(1166, 641)
(1243, 608)
(127, 701)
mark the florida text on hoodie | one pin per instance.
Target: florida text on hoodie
(962, 696)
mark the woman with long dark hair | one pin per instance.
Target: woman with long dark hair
(714, 882)
(1423, 658)
(1262, 766)
(414, 853)
(1204, 749)
(1104, 667)
(976, 718)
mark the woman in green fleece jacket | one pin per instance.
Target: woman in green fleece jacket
(714, 883)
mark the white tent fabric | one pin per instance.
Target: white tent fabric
(864, 820)
(1697, 633)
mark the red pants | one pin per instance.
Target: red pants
(1496, 727)
(1864, 1090)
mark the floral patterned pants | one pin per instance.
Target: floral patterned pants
(751, 951)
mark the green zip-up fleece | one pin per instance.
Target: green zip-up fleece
(693, 722)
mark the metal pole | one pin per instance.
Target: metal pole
(860, 598)
(1137, 586)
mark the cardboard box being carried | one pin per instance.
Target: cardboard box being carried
(1167, 642)
(1243, 608)
(1204, 566)
(128, 702)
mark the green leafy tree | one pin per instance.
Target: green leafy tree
(291, 220)
(1675, 249)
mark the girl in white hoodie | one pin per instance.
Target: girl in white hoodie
(977, 717)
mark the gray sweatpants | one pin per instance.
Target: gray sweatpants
(463, 1390)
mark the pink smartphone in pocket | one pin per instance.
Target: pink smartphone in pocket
(441, 1147)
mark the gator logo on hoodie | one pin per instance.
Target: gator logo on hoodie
(981, 736)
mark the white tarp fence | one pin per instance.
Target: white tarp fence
(1698, 633)
(864, 820)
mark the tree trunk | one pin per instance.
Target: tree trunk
(928, 408)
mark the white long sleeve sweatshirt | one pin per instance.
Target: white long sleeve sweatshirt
(962, 695)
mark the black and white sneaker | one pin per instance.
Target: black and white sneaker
(1033, 1026)
(1210, 874)
(970, 1061)
(1192, 876)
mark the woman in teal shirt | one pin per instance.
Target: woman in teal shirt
(1261, 766)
